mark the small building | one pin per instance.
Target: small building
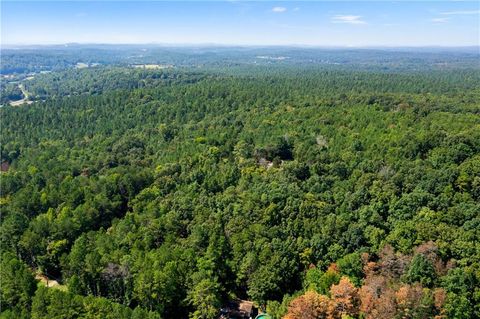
(238, 309)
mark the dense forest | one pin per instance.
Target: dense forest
(316, 191)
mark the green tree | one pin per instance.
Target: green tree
(17, 283)
(421, 270)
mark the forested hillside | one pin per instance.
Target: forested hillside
(316, 192)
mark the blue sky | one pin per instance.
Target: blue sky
(319, 23)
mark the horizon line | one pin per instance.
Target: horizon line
(213, 44)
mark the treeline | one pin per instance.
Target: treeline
(103, 79)
(364, 87)
(28, 59)
(348, 191)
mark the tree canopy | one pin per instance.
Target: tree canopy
(318, 193)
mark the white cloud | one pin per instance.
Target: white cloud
(296, 9)
(465, 12)
(279, 9)
(439, 20)
(348, 19)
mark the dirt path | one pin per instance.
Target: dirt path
(49, 282)
(26, 95)
(25, 92)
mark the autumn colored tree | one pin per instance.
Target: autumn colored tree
(408, 298)
(377, 298)
(345, 299)
(391, 264)
(310, 305)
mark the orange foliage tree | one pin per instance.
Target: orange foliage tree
(344, 299)
(311, 305)
(383, 294)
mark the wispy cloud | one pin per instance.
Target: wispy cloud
(351, 19)
(279, 9)
(464, 12)
(440, 20)
(296, 9)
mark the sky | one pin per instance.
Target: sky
(313, 23)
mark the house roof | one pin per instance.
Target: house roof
(245, 306)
